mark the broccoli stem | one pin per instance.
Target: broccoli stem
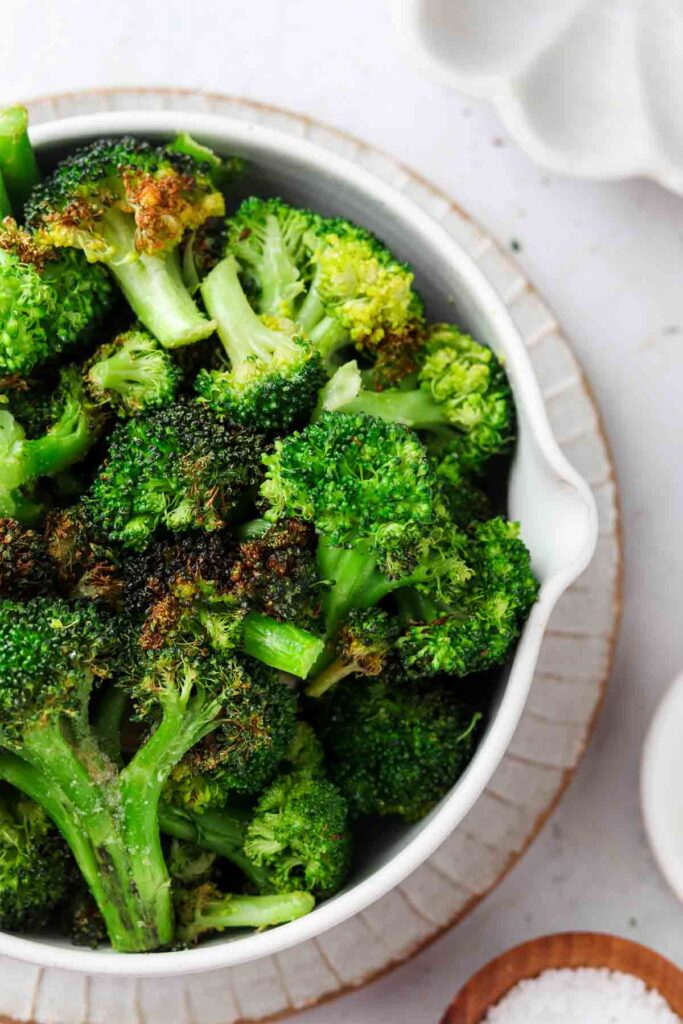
(154, 288)
(231, 911)
(357, 582)
(5, 204)
(281, 645)
(244, 335)
(17, 159)
(417, 408)
(330, 676)
(221, 832)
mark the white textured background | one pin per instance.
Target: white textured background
(608, 258)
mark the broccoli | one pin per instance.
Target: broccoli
(24, 461)
(85, 566)
(5, 205)
(396, 749)
(185, 589)
(133, 373)
(367, 486)
(206, 909)
(34, 864)
(334, 279)
(49, 301)
(82, 921)
(178, 467)
(51, 654)
(26, 569)
(476, 631)
(461, 390)
(363, 647)
(297, 834)
(274, 374)
(17, 160)
(128, 205)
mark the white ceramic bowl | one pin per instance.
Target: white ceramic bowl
(554, 504)
(660, 785)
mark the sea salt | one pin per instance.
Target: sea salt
(582, 996)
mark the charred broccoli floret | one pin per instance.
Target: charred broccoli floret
(363, 647)
(478, 630)
(274, 374)
(128, 204)
(33, 863)
(178, 467)
(26, 569)
(49, 300)
(24, 461)
(461, 390)
(397, 749)
(133, 373)
(86, 567)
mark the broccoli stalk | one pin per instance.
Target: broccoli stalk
(5, 204)
(128, 205)
(274, 375)
(205, 909)
(17, 160)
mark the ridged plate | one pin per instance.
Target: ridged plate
(566, 693)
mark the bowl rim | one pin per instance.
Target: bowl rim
(463, 795)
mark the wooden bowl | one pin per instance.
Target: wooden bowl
(568, 949)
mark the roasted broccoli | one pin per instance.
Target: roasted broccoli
(34, 865)
(128, 204)
(18, 165)
(461, 390)
(274, 373)
(206, 909)
(49, 300)
(133, 373)
(24, 461)
(26, 569)
(363, 647)
(397, 748)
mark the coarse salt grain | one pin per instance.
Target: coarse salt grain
(584, 995)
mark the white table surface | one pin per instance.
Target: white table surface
(608, 258)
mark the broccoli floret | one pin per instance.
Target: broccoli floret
(461, 389)
(274, 374)
(178, 467)
(242, 754)
(478, 630)
(363, 647)
(24, 461)
(186, 590)
(397, 749)
(128, 205)
(33, 863)
(206, 909)
(49, 300)
(81, 920)
(26, 569)
(133, 373)
(306, 754)
(18, 164)
(297, 835)
(51, 654)
(367, 486)
(462, 501)
(334, 279)
(85, 566)
(189, 864)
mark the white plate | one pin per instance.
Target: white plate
(661, 786)
(587, 87)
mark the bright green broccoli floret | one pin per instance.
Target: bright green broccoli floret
(397, 748)
(206, 909)
(33, 863)
(368, 488)
(478, 630)
(24, 461)
(299, 835)
(179, 467)
(461, 389)
(133, 373)
(334, 279)
(49, 300)
(274, 374)
(18, 165)
(128, 205)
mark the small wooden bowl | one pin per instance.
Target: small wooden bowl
(568, 949)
